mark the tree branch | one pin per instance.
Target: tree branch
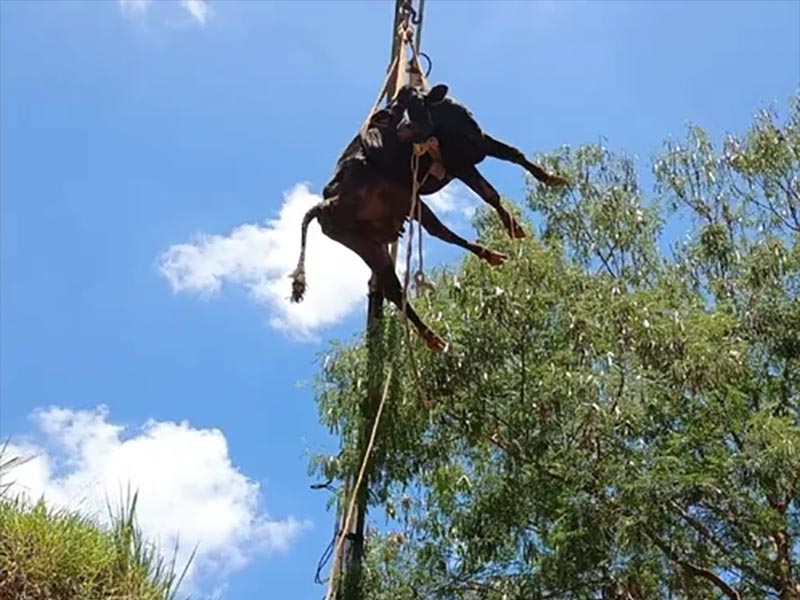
(695, 570)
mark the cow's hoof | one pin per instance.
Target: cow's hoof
(436, 343)
(515, 231)
(556, 181)
(494, 258)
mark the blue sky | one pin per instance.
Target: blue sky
(155, 159)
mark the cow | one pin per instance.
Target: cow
(366, 202)
(365, 206)
(462, 144)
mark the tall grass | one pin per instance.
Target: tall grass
(54, 554)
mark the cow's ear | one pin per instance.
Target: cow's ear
(437, 94)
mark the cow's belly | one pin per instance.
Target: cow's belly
(383, 201)
(371, 208)
(382, 209)
(381, 232)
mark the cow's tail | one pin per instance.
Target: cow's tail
(299, 274)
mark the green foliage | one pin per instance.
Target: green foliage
(612, 420)
(60, 555)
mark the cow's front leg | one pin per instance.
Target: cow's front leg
(436, 228)
(503, 151)
(478, 184)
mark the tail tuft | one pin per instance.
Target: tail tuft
(298, 285)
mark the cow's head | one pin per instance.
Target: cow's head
(416, 124)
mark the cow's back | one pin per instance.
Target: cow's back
(377, 150)
(350, 158)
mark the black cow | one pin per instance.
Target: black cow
(366, 204)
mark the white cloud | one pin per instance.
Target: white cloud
(134, 7)
(189, 490)
(198, 9)
(261, 257)
(455, 198)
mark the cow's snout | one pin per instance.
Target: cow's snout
(405, 133)
(405, 128)
(413, 130)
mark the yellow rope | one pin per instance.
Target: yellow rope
(415, 185)
(337, 554)
(406, 39)
(361, 472)
(416, 202)
(382, 93)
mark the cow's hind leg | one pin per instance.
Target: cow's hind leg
(478, 184)
(503, 151)
(380, 261)
(436, 228)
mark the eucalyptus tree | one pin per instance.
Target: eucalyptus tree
(618, 416)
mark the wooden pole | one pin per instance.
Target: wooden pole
(353, 549)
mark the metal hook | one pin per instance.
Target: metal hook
(409, 14)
